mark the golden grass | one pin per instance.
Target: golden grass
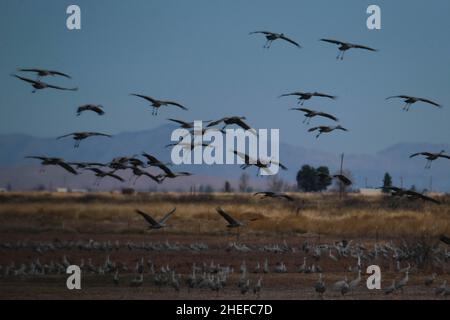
(355, 215)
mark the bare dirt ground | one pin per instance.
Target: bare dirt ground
(29, 223)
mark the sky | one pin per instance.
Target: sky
(200, 54)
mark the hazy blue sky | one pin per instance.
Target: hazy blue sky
(200, 54)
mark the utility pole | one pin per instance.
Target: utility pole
(431, 183)
(341, 185)
(401, 182)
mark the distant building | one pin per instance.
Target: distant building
(79, 190)
(3, 190)
(62, 190)
(370, 192)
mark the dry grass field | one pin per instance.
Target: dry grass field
(29, 222)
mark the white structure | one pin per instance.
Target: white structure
(370, 192)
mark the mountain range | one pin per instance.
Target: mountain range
(367, 170)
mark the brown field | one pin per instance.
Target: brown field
(30, 219)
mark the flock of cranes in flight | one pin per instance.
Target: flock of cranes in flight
(138, 166)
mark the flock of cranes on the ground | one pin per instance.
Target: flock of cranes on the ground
(216, 281)
(401, 260)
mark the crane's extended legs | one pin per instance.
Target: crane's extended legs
(268, 44)
(406, 106)
(340, 55)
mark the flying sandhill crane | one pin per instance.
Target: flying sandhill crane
(185, 124)
(344, 46)
(232, 222)
(269, 194)
(78, 136)
(303, 96)
(272, 36)
(83, 165)
(343, 179)
(153, 224)
(409, 100)
(135, 162)
(102, 174)
(39, 85)
(97, 108)
(119, 163)
(413, 195)
(311, 114)
(262, 165)
(48, 161)
(187, 145)
(172, 175)
(154, 162)
(44, 73)
(320, 287)
(395, 191)
(430, 157)
(156, 104)
(139, 173)
(239, 121)
(326, 129)
(409, 194)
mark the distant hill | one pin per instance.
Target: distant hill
(23, 173)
